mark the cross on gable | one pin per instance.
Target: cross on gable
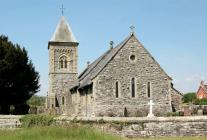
(132, 28)
(62, 9)
(111, 43)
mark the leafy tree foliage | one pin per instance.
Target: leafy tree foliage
(200, 102)
(192, 98)
(18, 79)
(189, 97)
(36, 101)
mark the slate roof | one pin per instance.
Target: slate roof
(85, 78)
(63, 32)
(94, 68)
(178, 92)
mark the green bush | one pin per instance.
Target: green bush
(36, 120)
(189, 97)
(200, 102)
(36, 101)
(169, 114)
(203, 102)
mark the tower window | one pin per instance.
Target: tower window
(63, 62)
(133, 87)
(148, 90)
(117, 89)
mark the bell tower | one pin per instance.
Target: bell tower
(63, 57)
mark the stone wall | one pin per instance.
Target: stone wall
(176, 99)
(144, 127)
(122, 69)
(85, 104)
(131, 126)
(61, 79)
(9, 121)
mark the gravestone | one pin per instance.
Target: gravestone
(187, 111)
(200, 112)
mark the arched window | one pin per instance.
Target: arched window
(133, 87)
(63, 62)
(117, 89)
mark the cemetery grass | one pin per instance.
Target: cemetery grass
(72, 133)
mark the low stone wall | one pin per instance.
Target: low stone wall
(144, 127)
(9, 121)
(131, 126)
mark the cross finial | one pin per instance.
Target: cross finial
(62, 9)
(132, 28)
(111, 44)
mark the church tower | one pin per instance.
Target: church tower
(62, 67)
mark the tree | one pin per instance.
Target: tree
(18, 79)
(36, 101)
(189, 97)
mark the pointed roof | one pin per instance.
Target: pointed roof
(202, 85)
(63, 32)
(85, 78)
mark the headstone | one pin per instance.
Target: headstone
(200, 112)
(187, 111)
(150, 114)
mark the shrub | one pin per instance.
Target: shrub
(189, 97)
(36, 101)
(36, 120)
(169, 114)
(203, 102)
(200, 102)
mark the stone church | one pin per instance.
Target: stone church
(118, 83)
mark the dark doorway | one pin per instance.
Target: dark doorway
(173, 108)
(125, 112)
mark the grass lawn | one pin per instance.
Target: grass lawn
(75, 133)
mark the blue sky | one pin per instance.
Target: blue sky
(174, 32)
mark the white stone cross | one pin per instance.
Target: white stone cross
(150, 114)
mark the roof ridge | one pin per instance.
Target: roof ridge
(101, 58)
(118, 47)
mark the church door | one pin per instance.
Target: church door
(125, 112)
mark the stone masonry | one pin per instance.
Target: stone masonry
(62, 68)
(105, 86)
(143, 127)
(119, 83)
(144, 69)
